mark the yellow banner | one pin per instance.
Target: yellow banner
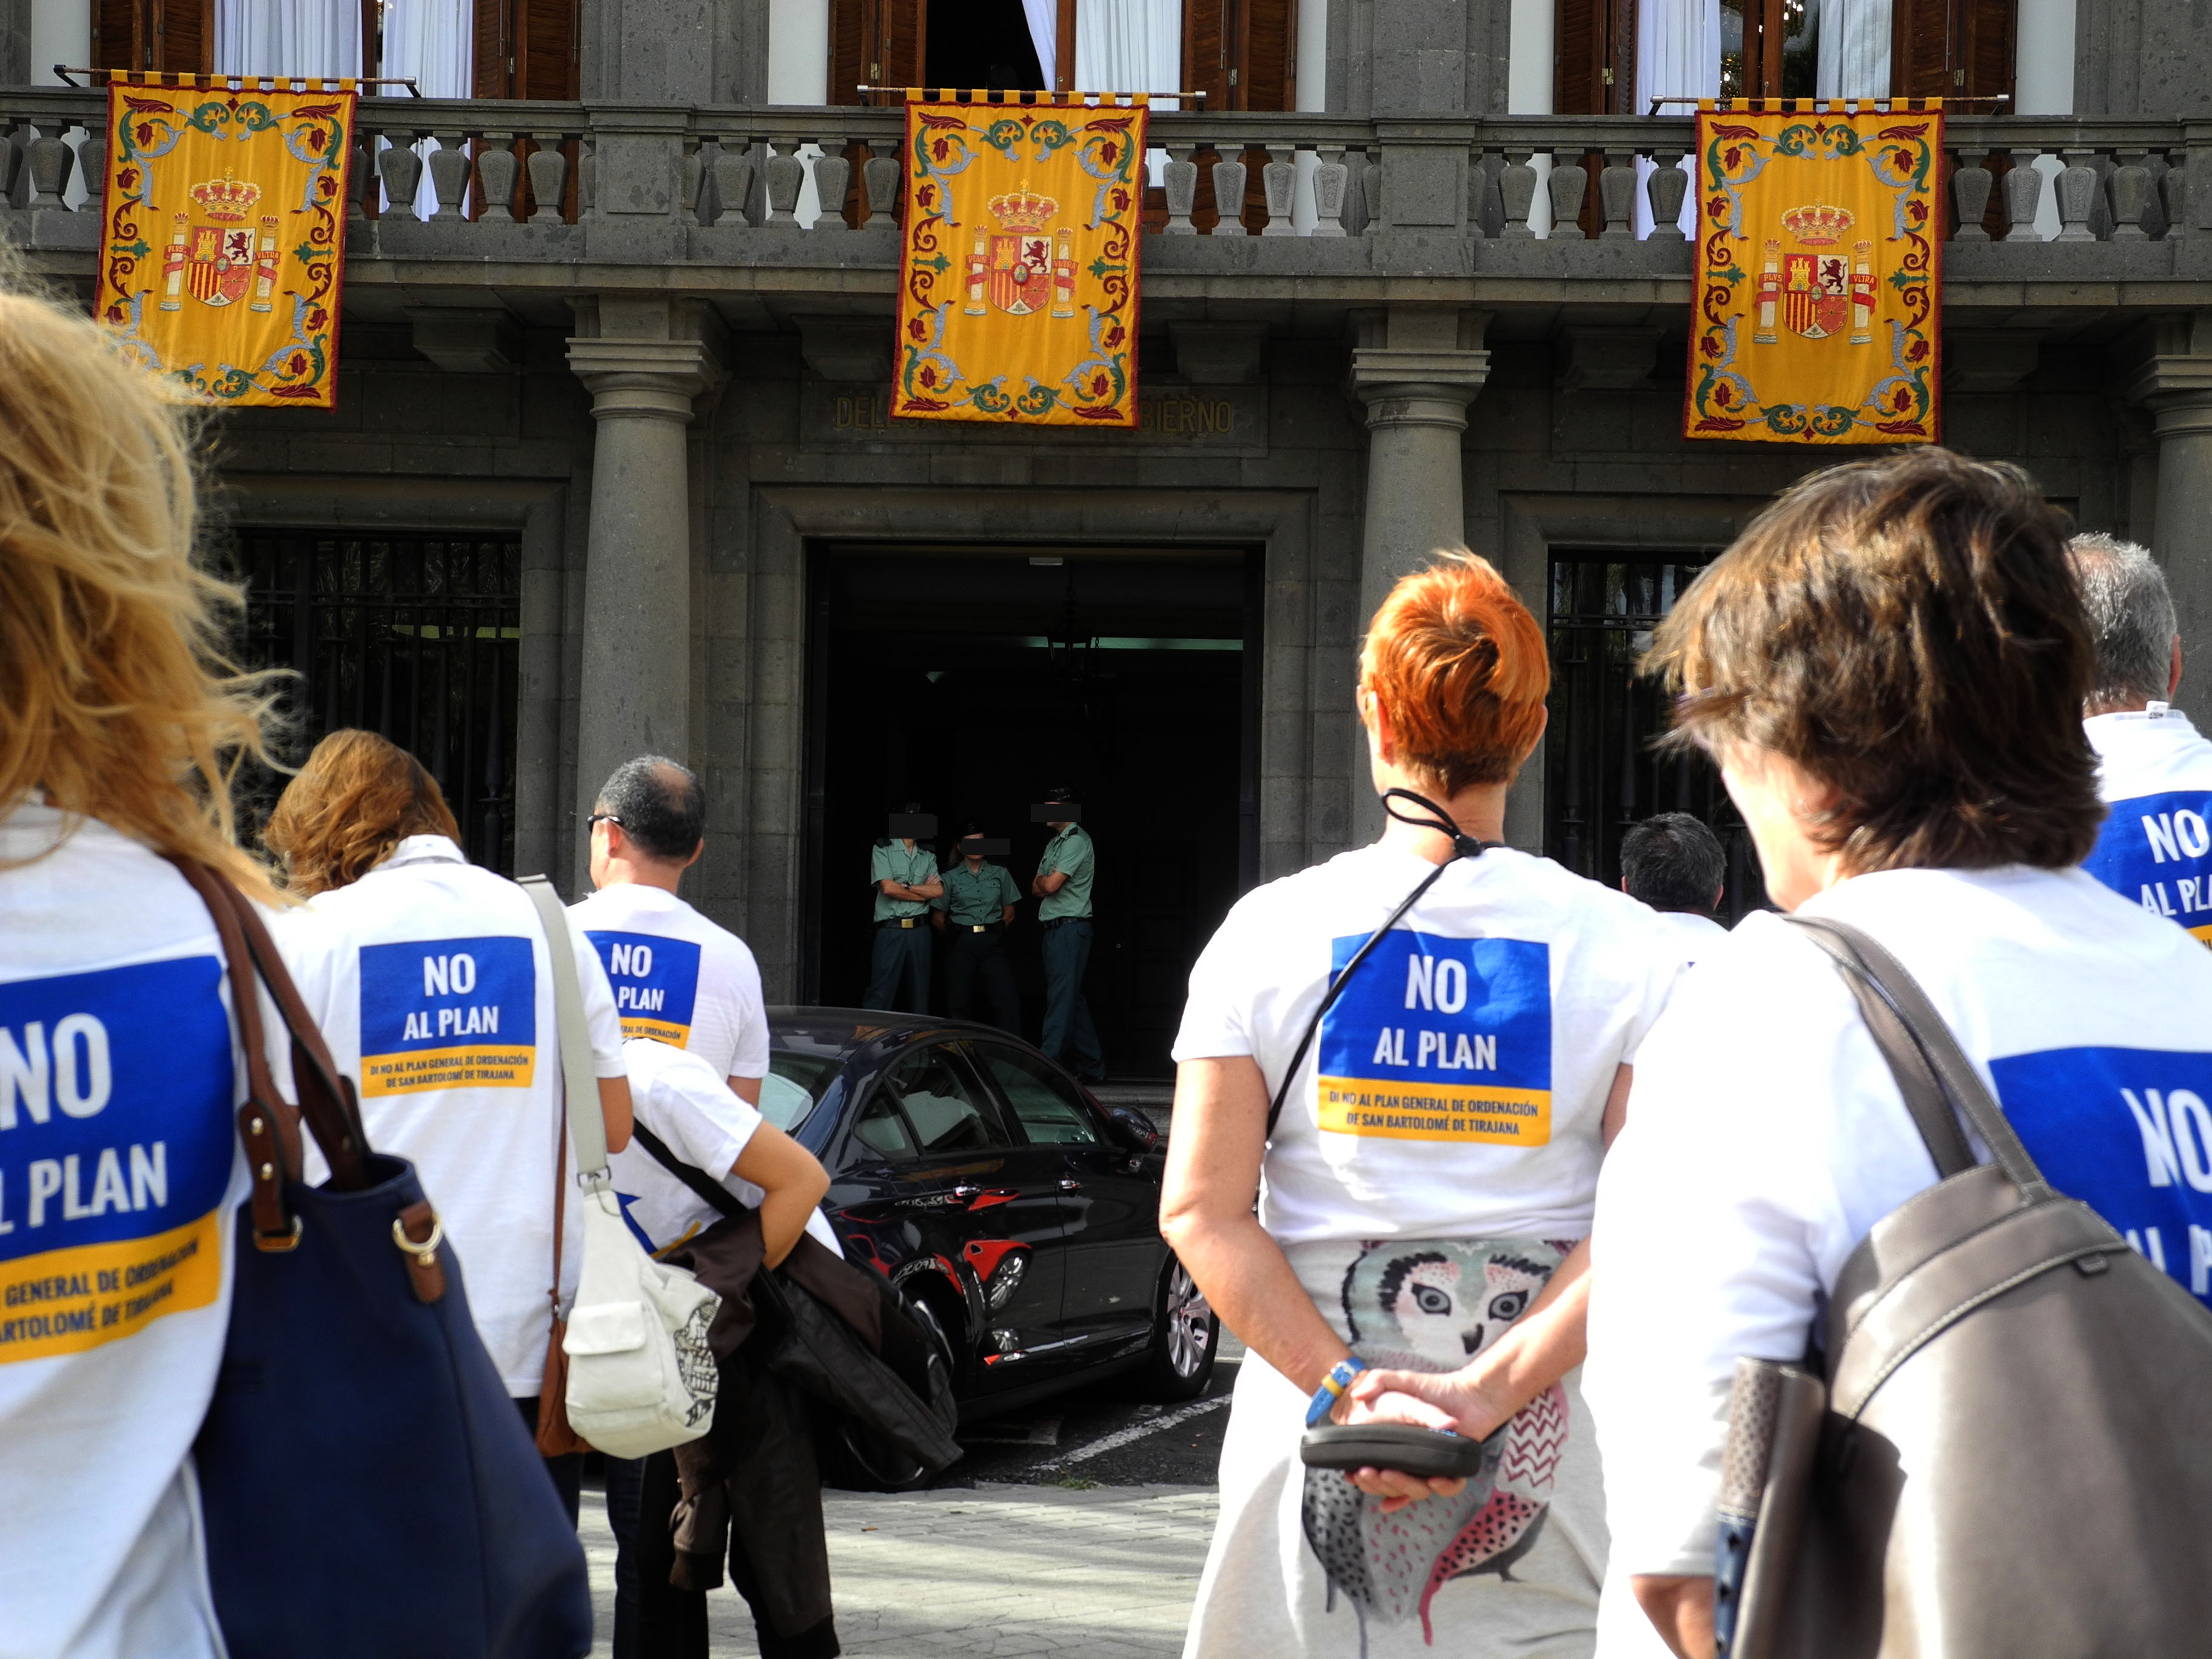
(1818, 275)
(1414, 1110)
(1017, 279)
(67, 1301)
(224, 240)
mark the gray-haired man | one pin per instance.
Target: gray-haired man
(2152, 767)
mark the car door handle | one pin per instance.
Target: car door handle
(1067, 1186)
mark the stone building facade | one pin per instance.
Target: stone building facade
(663, 399)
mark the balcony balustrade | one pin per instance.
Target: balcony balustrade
(524, 182)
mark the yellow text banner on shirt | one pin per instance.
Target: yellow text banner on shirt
(1818, 276)
(1018, 277)
(1418, 1111)
(66, 1301)
(223, 245)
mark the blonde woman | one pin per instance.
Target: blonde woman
(435, 992)
(120, 1164)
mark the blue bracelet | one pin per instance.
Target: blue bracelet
(1332, 1388)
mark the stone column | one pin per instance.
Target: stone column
(636, 695)
(1417, 379)
(2176, 386)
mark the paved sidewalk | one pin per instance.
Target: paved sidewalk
(1108, 1573)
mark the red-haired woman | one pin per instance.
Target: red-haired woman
(1429, 1181)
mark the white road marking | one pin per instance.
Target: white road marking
(1138, 1430)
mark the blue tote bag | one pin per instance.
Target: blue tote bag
(370, 1491)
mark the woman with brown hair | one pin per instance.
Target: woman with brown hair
(434, 990)
(1889, 668)
(121, 728)
(1412, 1056)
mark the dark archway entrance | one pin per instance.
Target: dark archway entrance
(973, 679)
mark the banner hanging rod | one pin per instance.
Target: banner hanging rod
(1014, 96)
(1784, 106)
(241, 81)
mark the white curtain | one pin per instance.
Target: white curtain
(1043, 17)
(1854, 60)
(288, 37)
(1127, 45)
(435, 41)
(1678, 55)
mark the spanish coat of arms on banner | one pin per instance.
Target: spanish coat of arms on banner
(1819, 269)
(224, 235)
(1017, 277)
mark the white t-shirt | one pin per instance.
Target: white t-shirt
(436, 997)
(2156, 847)
(1765, 1137)
(679, 1098)
(678, 977)
(1456, 1088)
(120, 1174)
(1694, 935)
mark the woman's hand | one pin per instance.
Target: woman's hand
(1452, 1401)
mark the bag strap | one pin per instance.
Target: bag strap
(1464, 846)
(1937, 1080)
(270, 1124)
(588, 1129)
(716, 1195)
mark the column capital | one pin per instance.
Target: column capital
(629, 378)
(2177, 391)
(1427, 385)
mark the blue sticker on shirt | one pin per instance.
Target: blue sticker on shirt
(656, 983)
(116, 1146)
(2157, 850)
(1438, 1038)
(2128, 1132)
(447, 1013)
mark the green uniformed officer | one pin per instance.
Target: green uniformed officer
(975, 911)
(904, 874)
(1063, 884)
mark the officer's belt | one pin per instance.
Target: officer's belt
(978, 927)
(901, 921)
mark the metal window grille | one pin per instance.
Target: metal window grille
(1600, 774)
(417, 636)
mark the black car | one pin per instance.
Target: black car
(1019, 1216)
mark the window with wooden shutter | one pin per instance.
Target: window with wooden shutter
(163, 37)
(1594, 60)
(1951, 48)
(526, 49)
(876, 43)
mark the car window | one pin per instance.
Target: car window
(882, 1130)
(1048, 1109)
(945, 1108)
(794, 1087)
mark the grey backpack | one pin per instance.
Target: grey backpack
(2009, 1456)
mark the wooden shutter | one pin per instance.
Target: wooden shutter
(118, 39)
(1264, 55)
(1951, 48)
(168, 37)
(1594, 57)
(1205, 51)
(876, 43)
(526, 49)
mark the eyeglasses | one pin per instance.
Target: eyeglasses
(601, 817)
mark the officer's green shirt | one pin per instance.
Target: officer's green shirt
(970, 899)
(1070, 851)
(893, 862)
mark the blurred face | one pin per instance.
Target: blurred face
(1781, 804)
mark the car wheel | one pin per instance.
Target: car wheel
(1186, 1333)
(850, 1460)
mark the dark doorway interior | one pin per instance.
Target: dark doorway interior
(417, 636)
(1600, 774)
(974, 680)
(981, 45)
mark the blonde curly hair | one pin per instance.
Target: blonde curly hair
(118, 700)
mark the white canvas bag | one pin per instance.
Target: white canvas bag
(640, 1376)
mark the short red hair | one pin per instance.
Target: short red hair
(1460, 667)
